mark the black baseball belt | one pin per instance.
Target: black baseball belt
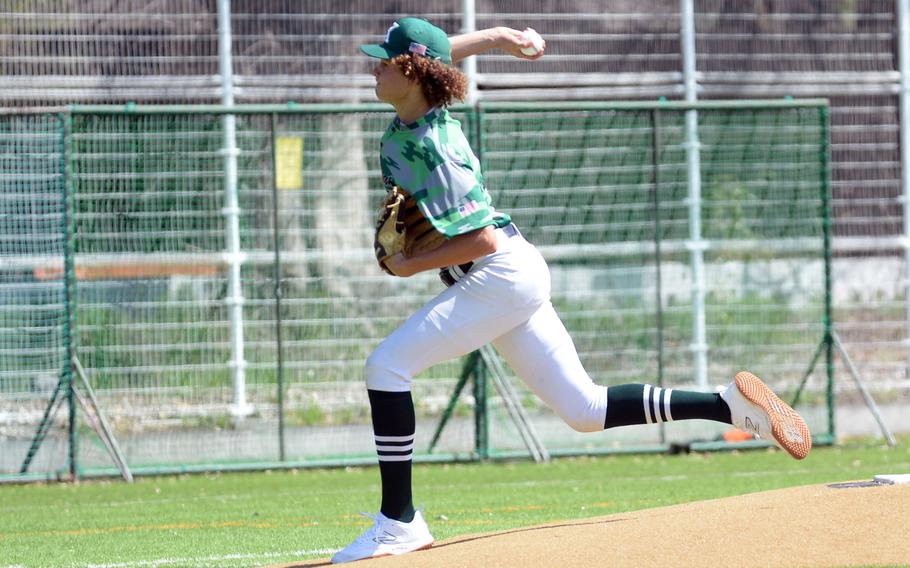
(452, 274)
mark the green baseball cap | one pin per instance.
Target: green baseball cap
(412, 35)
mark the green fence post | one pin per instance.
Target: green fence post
(481, 415)
(279, 359)
(69, 285)
(655, 179)
(656, 141)
(826, 240)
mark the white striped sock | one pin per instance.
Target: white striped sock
(667, 405)
(646, 401)
(655, 402)
(394, 448)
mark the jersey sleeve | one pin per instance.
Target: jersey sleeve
(454, 200)
(432, 160)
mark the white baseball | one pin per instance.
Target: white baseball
(536, 41)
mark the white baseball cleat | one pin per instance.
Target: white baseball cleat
(756, 409)
(387, 537)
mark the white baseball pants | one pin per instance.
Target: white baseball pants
(504, 299)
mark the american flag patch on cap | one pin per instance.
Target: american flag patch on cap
(418, 48)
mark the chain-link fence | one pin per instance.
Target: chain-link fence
(136, 286)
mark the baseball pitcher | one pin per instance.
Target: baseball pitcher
(440, 216)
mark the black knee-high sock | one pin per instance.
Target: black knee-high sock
(645, 404)
(393, 428)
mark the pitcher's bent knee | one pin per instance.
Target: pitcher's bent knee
(384, 374)
(585, 422)
(586, 410)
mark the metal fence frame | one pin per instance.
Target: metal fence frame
(67, 392)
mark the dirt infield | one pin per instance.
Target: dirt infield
(816, 525)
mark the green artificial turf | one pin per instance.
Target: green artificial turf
(255, 519)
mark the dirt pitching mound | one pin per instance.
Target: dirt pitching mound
(817, 525)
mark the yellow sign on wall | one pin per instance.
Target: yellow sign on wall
(289, 162)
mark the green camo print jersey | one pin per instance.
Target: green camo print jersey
(432, 160)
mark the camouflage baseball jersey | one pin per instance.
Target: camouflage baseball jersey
(432, 160)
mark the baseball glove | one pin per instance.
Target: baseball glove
(401, 227)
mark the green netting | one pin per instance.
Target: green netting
(33, 315)
(598, 188)
(146, 200)
(594, 187)
(147, 184)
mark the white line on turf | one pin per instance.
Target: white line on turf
(205, 560)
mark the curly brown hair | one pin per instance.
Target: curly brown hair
(441, 84)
